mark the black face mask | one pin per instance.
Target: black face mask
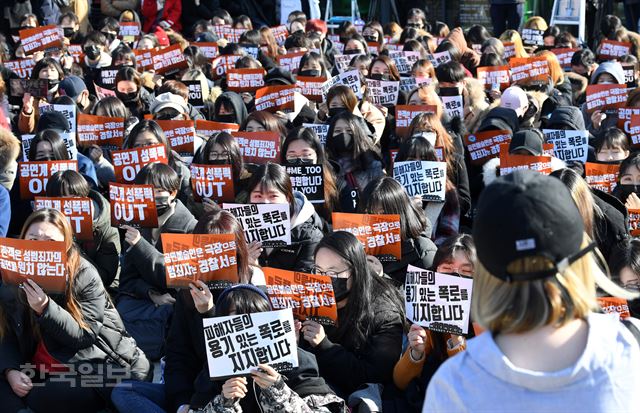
(624, 190)
(219, 162)
(371, 38)
(378, 76)
(128, 98)
(299, 161)
(336, 111)
(92, 52)
(110, 37)
(341, 144)
(162, 205)
(634, 307)
(352, 51)
(340, 289)
(231, 118)
(311, 73)
(52, 84)
(68, 32)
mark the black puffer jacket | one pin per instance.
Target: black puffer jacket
(418, 252)
(103, 341)
(235, 100)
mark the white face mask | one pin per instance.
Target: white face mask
(429, 136)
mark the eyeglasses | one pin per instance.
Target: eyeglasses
(218, 155)
(332, 274)
(632, 286)
(449, 269)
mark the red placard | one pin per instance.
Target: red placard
(169, 60)
(207, 128)
(39, 39)
(221, 65)
(275, 98)
(35, 175)
(144, 59)
(100, 130)
(610, 49)
(311, 87)
(603, 97)
(310, 296)
(214, 182)
(210, 258)
(601, 176)
(259, 147)
(564, 55)
(615, 305)
(483, 146)
(290, 62)
(245, 80)
(406, 113)
(634, 222)
(380, 234)
(510, 163)
(133, 205)
(528, 70)
(227, 32)
(624, 118)
(209, 49)
(492, 76)
(79, 212)
(44, 262)
(75, 50)
(180, 134)
(128, 162)
(22, 67)
(632, 126)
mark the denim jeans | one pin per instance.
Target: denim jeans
(139, 397)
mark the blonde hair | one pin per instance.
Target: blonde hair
(514, 37)
(536, 23)
(555, 70)
(195, 74)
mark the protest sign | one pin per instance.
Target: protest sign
(34, 175)
(601, 176)
(404, 60)
(310, 296)
(382, 92)
(245, 80)
(75, 50)
(509, 50)
(494, 77)
(634, 222)
(290, 61)
(195, 93)
(38, 88)
(350, 78)
(208, 49)
(439, 302)
(210, 258)
(269, 224)
(250, 49)
(615, 305)
(342, 61)
(606, 97)
(221, 65)
(611, 49)
(231, 34)
(439, 58)
(128, 162)
(453, 106)
(169, 60)
(107, 77)
(144, 59)
(100, 130)
(22, 67)
(510, 163)
(321, 129)
(483, 146)
(407, 84)
(373, 48)
(129, 32)
(79, 213)
(406, 113)
(280, 33)
(180, 134)
(69, 112)
(259, 147)
(133, 205)
(568, 145)
(380, 234)
(624, 121)
(532, 37)
(629, 71)
(427, 179)
(275, 98)
(311, 87)
(206, 128)
(40, 39)
(529, 70)
(308, 179)
(102, 93)
(564, 56)
(44, 262)
(213, 182)
(67, 138)
(237, 344)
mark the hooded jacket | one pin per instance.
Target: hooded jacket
(566, 117)
(500, 119)
(468, 57)
(612, 226)
(613, 68)
(235, 100)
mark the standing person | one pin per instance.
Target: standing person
(535, 292)
(506, 14)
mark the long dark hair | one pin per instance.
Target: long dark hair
(60, 152)
(244, 299)
(230, 145)
(456, 243)
(357, 321)
(276, 176)
(362, 143)
(67, 183)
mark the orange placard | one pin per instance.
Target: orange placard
(601, 176)
(528, 70)
(611, 49)
(144, 59)
(510, 163)
(75, 50)
(213, 182)
(632, 126)
(207, 128)
(259, 147)
(39, 39)
(22, 67)
(311, 87)
(615, 305)
(564, 55)
(209, 49)
(128, 162)
(624, 118)
(245, 80)
(169, 60)
(290, 62)
(483, 146)
(275, 98)
(380, 234)
(494, 77)
(406, 113)
(100, 130)
(180, 134)
(79, 212)
(35, 175)
(603, 97)
(509, 50)
(44, 262)
(210, 258)
(310, 296)
(222, 64)
(634, 222)
(133, 205)
(227, 32)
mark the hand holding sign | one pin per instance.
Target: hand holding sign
(234, 388)
(132, 236)
(265, 376)
(38, 300)
(313, 332)
(417, 338)
(202, 298)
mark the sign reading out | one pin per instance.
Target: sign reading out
(79, 213)
(128, 162)
(213, 182)
(133, 205)
(34, 176)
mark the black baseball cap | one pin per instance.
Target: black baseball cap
(529, 140)
(527, 214)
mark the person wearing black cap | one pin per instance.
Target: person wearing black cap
(546, 348)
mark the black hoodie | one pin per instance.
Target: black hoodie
(567, 118)
(235, 100)
(500, 119)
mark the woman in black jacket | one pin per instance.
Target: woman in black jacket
(76, 334)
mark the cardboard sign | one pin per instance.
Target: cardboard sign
(100, 130)
(407, 84)
(107, 77)
(494, 77)
(604, 97)
(69, 112)
(290, 62)
(222, 64)
(320, 129)
(406, 113)
(509, 50)
(532, 37)
(510, 163)
(342, 61)
(382, 92)
(634, 222)
(180, 134)
(483, 146)
(259, 147)
(529, 70)
(79, 213)
(144, 59)
(439, 58)
(208, 128)
(308, 179)
(237, 344)
(40, 39)
(350, 78)
(615, 305)
(44, 262)
(67, 138)
(275, 98)
(22, 67)
(245, 80)
(310, 296)
(213, 182)
(128, 162)
(568, 145)
(602, 176)
(133, 205)
(195, 93)
(269, 224)
(210, 258)
(34, 175)
(280, 33)
(564, 55)
(129, 31)
(311, 87)
(425, 178)
(453, 105)
(209, 49)
(380, 234)
(439, 302)
(404, 60)
(169, 60)
(75, 50)
(38, 88)
(610, 49)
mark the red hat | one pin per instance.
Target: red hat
(161, 35)
(316, 25)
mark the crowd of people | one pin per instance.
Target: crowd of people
(539, 246)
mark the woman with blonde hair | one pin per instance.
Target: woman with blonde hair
(514, 37)
(536, 23)
(546, 346)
